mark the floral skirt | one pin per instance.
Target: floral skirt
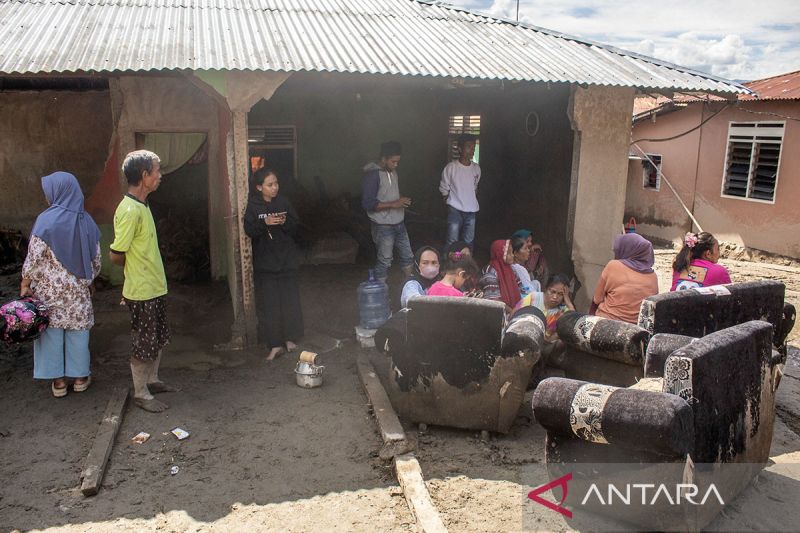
(149, 328)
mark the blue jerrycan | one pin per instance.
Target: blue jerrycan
(373, 302)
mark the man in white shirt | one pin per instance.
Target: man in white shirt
(459, 186)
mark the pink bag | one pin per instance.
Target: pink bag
(23, 320)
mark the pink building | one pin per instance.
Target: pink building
(734, 164)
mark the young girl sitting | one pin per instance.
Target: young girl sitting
(470, 287)
(696, 263)
(458, 269)
(553, 302)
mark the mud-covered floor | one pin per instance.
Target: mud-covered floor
(266, 455)
(263, 453)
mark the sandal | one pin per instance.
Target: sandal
(80, 387)
(58, 392)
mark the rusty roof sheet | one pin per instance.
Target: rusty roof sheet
(400, 37)
(783, 87)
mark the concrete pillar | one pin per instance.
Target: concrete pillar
(241, 174)
(601, 119)
(242, 91)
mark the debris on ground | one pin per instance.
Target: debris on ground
(180, 433)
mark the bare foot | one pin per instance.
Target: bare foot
(157, 387)
(290, 346)
(275, 352)
(152, 405)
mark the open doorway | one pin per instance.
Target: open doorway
(180, 205)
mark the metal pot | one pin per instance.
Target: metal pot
(308, 375)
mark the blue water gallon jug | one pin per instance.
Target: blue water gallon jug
(373, 302)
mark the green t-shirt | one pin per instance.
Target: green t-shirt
(135, 236)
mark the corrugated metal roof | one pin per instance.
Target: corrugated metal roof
(405, 37)
(783, 87)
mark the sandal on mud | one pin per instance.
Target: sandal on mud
(80, 387)
(58, 392)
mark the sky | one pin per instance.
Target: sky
(735, 39)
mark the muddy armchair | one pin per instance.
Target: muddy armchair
(714, 404)
(455, 362)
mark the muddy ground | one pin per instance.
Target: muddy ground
(264, 454)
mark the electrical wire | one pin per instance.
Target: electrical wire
(723, 108)
(787, 117)
(737, 105)
(671, 188)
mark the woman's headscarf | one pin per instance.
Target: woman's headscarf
(509, 291)
(635, 252)
(417, 275)
(68, 230)
(524, 233)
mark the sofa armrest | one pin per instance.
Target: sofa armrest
(524, 333)
(604, 337)
(391, 336)
(654, 422)
(660, 347)
(786, 325)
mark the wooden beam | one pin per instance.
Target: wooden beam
(95, 467)
(409, 474)
(388, 423)
(406, 466)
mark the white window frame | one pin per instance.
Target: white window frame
(737, 132)
(645, 181)
(452, 136)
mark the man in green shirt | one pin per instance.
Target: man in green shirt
(135, 248)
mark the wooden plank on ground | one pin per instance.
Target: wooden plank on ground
(95, 468)
(409, 474)
(389, 424)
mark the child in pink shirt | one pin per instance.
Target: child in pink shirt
(696, 264)
(458, 269)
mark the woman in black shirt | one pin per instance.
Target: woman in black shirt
(271, 223)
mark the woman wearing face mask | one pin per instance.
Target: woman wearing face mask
(426, 272)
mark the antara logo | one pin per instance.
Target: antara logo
(560, 482)
(687, 492)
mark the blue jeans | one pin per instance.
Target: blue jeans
(460, 226)
(61, 352)
(387, 237)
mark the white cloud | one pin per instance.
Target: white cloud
(737, 39)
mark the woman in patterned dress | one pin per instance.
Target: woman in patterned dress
(63, 260)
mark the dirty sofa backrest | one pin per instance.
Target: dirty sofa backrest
(728, 377)
(694, 314)
(460, 365)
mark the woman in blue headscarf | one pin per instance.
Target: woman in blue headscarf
(63, 260)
